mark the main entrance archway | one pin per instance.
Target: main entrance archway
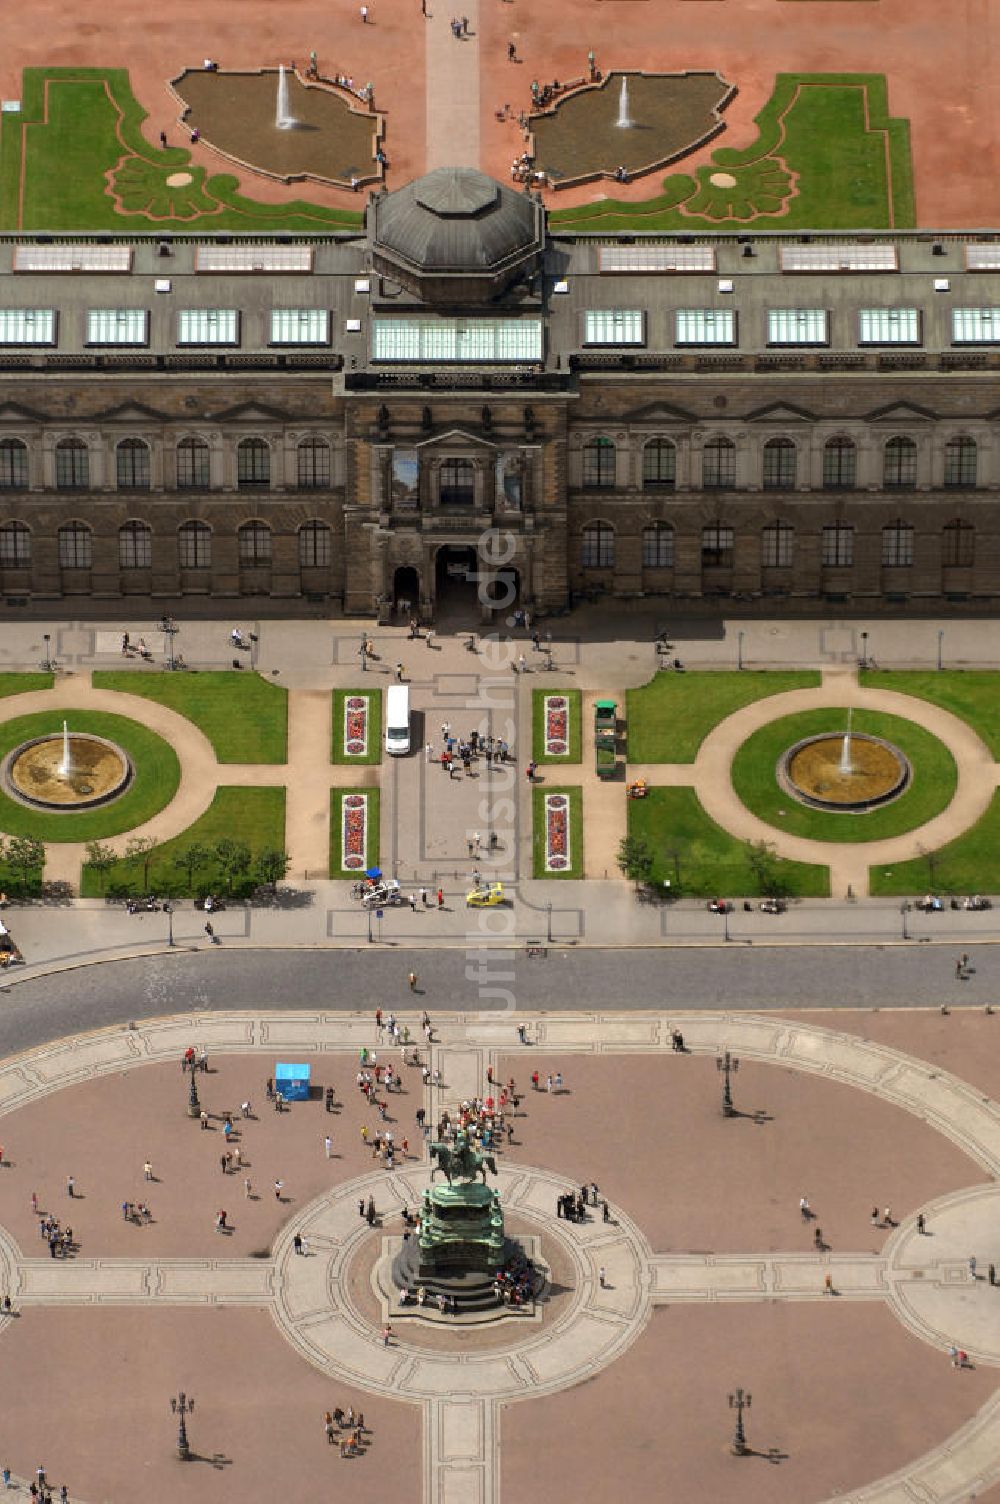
(457, 575)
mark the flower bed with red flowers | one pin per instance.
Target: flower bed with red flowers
(556, 725)
(557, 855)
(356, 725)
(354, 832)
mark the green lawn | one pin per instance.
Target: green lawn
(973, 696)
(244, 716)
(575, 794)
(24, 684)
(830, 129)
(253, 816)
(969, 864)
(669, 718)
(374, 832)
(701, 859)
(82, 128)
(157, 774)
(374, 753)
(573, 698)
(934, 776)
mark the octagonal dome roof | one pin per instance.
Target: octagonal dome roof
(456, 220)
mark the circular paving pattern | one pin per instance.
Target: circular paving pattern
(929, 789)
(155, 775)
(315, 1312)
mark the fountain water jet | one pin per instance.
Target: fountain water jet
(846, 766)
(283, 117)
(66, 762)
(624, 121)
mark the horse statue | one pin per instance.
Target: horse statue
(460, 1161)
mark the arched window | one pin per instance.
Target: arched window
(659, 464)
(255, 545)
(960, 461)
(900, 464)
(777, 545)
(840, 464)
(135, 546)
(193, 472)
(76, 546)
(253, 463)
(838, 545)
(458, 483)
(718, 464)
(313, 456)
(597, 546)
(958, 544)
(13, 464)
(779, 465)
(599, 463)
(194, 545)
(15, 545)
(132, 462)
(314, 545)
(72, 465)
(897, 545)
(658, 546)
(717, 546)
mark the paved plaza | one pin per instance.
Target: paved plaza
(713, 1277)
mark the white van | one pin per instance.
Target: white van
(397, 720)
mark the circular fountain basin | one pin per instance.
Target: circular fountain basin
(812, 772)
(99, 772)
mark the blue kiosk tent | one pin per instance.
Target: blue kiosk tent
(292, 1081)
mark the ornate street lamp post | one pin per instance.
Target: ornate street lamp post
(194, 1106)
(728, 1065)
(183, 1406)
(739, 1402)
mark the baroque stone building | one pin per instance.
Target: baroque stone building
(457, 394)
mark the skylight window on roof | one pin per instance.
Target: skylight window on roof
(613, 326)
(889, 326)
(208, 326)
(839, 258)
(656, 258)
(797, 326)
(982, 258)
(705, 326)
(254, 258)
(117, 326)
(475, 340)
(27, 326)
(300, 326)
(73, 258)
(975, 326)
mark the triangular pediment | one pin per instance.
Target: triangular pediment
(658, 412)
(900, 412)
(780, 412)
(456, 436)
(251, 412)
(16, 412)
(129, 412)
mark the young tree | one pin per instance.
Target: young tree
(635, 860)
(762, 859)
(102, 858)
(140, 849)
(190, 858)
(271, 866)
(26, 856)
(234, 859)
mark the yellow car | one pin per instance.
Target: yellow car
(485, 898)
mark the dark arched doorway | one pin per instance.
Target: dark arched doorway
(406, 590)
(503, 594)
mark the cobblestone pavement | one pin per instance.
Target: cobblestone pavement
(920, 1280)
